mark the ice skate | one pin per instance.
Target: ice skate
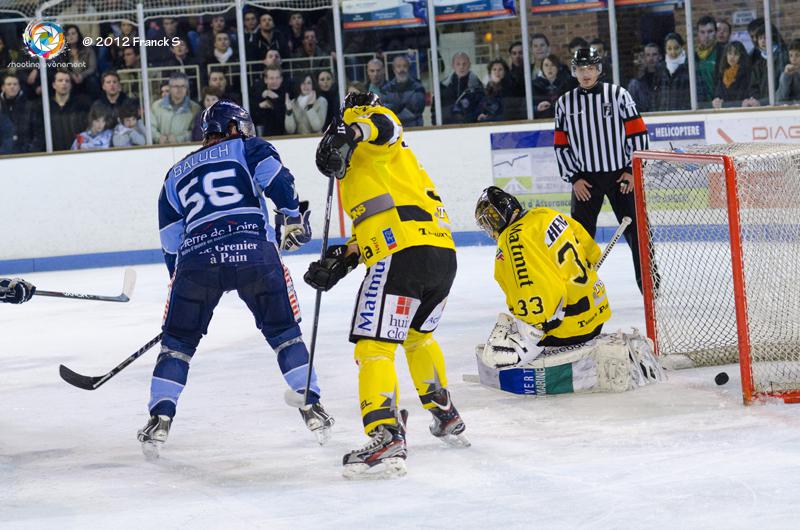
(153, 435)
(447, 424)
(318, 421)
(316, 418)
(384, 456)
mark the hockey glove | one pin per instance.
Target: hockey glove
(335, 149)
(511, 342)
(15, 291)
(325, 273)
(293, 232)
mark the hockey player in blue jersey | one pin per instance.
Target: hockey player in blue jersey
(216, 237)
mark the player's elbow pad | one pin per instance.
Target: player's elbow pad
(386, 129)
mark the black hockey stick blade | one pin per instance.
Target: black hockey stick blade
(92, 383)
(128, 283)
(81, 381)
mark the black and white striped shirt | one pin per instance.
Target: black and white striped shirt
(597, 130)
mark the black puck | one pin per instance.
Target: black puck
(721, 378)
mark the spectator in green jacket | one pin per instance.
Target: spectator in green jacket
(173, 115)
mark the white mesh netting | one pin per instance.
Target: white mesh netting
(113, 10)
(694, 306)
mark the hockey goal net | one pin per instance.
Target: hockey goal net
(719, 233)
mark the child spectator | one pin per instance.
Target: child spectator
(130, 129)
(96, 136)
(209, 97)
(733, 84)
(789, 83)
(306, 114)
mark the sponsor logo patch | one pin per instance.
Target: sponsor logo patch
(499, 256)
(433, 319)
(368, 310)
(388, 236)
(397, 314)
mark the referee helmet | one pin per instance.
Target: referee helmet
(586, 57)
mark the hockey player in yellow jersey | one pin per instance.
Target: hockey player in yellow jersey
(401, 232)
(545, 266)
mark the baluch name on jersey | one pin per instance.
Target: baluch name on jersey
(212, 209)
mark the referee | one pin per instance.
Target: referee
(596, 132)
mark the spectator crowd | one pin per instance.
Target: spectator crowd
(95, 102)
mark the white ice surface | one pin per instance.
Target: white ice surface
(683, 454)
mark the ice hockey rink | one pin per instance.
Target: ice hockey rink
(682, 454)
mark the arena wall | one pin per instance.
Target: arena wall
(78, 210)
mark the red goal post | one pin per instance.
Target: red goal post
(719, 236)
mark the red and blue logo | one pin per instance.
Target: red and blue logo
(388, 236)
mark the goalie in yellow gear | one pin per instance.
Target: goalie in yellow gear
(402, 234)
(551, 342)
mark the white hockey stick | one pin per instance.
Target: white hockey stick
(618, 234)
(128, 283)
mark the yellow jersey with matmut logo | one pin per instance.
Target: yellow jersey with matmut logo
(392, 202)
(544, 264)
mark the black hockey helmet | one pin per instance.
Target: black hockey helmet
(495, 210)
(219, 116)
(361, 99)
(585, 57)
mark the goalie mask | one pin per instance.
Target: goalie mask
(495, 210)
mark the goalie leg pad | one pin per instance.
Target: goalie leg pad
(643, 357)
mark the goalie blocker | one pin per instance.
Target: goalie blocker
(608, 363)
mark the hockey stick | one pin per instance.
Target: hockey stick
(617, 234)
(128, 283)
(318, 299)
(92, 383)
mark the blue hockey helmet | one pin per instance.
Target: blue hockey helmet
(219, 116)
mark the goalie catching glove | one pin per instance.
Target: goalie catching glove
(511, 342)
(293, 232)
(336, 148)
(325, 273)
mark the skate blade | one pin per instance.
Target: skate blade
(459, 441)
(388, 468)
(323, 435)
(150, 450)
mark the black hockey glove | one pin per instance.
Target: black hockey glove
(15, 291)
(335, 149)
(293, 232)
(325, 273)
